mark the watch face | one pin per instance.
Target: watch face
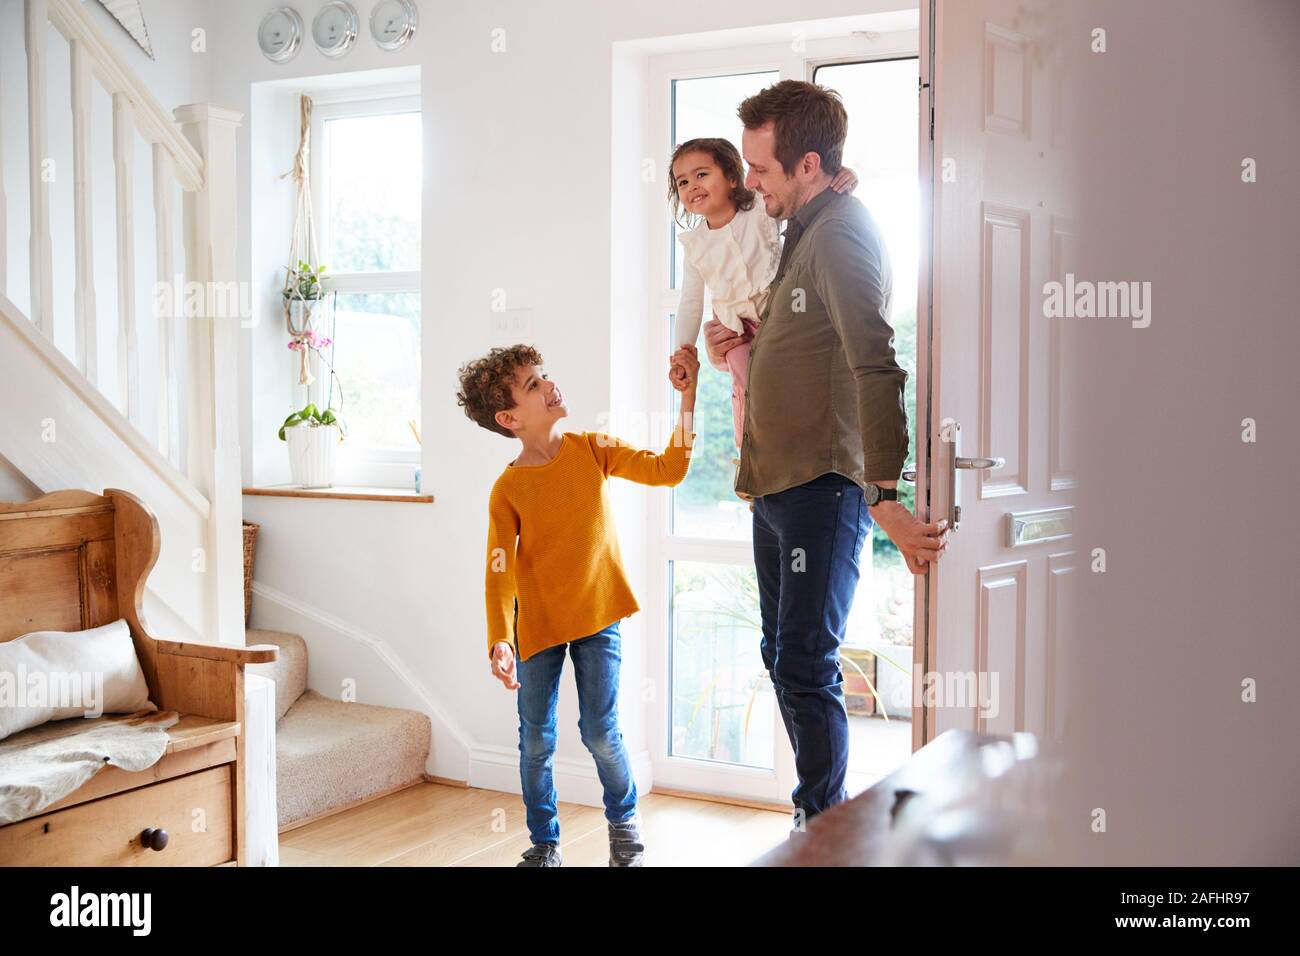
(335, 28)
(392, 23)
(280, 34)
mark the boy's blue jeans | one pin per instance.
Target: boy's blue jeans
(807, 540)
(596, 662)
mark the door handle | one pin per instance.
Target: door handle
(980, 462)
(909, 474)
(955, 461)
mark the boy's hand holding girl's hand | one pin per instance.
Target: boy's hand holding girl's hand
(503, 665)
(684, 368)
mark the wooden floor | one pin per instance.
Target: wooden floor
(435, 825)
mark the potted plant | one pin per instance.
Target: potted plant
(304, 288)
(305, 284)
(312, 436)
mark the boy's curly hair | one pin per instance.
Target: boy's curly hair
(485, 384)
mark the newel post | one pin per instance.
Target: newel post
(213, 461)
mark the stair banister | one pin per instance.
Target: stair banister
(196, 428)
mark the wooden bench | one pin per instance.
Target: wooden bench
(74, 560)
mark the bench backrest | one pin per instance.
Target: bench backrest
(73, 560)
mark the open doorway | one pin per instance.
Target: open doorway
(878, 647)
(718, 729)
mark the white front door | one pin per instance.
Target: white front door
(999, 388)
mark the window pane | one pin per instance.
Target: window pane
(372, 171)
(880, 97)
(707, 107)
(705, 505)
(723, 706)
(376, 357)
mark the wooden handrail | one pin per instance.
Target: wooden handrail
(248, 654)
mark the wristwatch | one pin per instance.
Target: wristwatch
(875, 494)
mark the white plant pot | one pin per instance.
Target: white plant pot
(311, 454)
(302, 311)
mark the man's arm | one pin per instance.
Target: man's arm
(718, 341)
(848, 272)
(849, 276)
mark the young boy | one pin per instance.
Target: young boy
(555, 578)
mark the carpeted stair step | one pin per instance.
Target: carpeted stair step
(330, 753)
(288, 670)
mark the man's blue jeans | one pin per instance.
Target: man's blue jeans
(807, 540)
(596, 662)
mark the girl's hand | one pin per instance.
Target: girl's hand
(677, 375)
(685, 368)
(845, 181)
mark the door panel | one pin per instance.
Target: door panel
(1002, 228)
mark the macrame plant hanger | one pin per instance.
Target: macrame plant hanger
(302, 248)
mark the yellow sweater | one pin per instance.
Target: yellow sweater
(552, 544)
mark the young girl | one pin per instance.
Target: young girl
(733, 249)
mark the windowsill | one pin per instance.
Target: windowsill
(342, 492)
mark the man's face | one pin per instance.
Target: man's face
(780, 193)
(538, 401)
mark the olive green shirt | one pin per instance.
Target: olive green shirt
(825, 393)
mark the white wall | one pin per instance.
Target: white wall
(14, 485)
(518, 196)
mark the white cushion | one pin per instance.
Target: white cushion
(53, 675)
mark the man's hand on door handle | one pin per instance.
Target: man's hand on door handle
(921, 544)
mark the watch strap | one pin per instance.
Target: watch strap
(884, 494)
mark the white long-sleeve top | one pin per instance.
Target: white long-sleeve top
(736, 262)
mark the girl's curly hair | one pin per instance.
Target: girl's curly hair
(727, 158)
(485, 384)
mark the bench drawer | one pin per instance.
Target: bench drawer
(106, 832)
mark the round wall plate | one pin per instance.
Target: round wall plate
(334, 29)
(280, 34)
(393, 23)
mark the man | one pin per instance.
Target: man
(825, 434)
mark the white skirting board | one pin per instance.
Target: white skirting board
(261, 830)
(497, 768)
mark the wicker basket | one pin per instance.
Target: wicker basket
(250, 548)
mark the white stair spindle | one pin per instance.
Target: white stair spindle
(37, 27)
(168, 389)
(128, 349)
(87, 329)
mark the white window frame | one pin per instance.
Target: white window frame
(363, 466)
(687, 773)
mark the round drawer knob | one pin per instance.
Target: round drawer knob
(154, 838)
